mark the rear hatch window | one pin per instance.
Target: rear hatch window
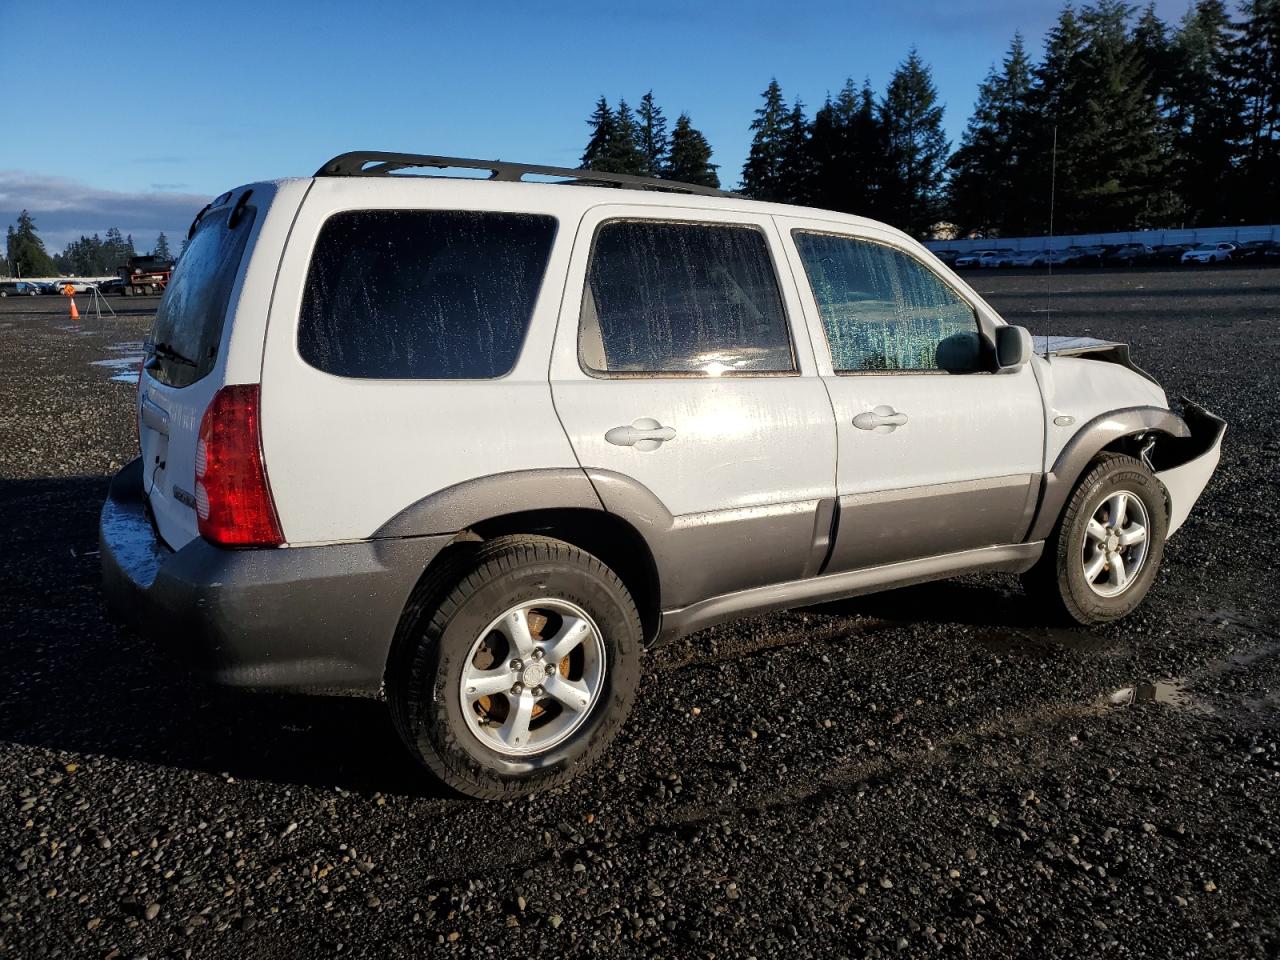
(188, 325)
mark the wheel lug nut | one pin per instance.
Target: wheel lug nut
(537, 654)
(517, 689)
(538, 691)
(516, 664)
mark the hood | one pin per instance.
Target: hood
(1108, 351)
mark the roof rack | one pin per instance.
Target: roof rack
(358, 164)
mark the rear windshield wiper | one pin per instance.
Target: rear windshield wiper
(166, 352)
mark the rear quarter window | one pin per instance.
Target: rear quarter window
(422, 294)
(189, 320)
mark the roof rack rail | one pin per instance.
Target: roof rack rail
(358, 164)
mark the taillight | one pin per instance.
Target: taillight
(233, 500)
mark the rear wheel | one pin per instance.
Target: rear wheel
(516, 666)
(1102, 559)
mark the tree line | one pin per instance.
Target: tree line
(26, 256)
(638, 143)
(1129, 123)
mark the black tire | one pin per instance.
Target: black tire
(1058, 578)
(446, 615)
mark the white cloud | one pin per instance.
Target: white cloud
(64, 209)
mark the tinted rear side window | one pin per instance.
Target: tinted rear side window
(422, 294)
(669, 297)
(188, 326)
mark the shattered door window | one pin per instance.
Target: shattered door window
(884, 310)
(422, 294)
(682, 298)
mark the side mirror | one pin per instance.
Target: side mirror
(1013, 347)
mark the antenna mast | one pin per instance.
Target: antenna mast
(1048, 284)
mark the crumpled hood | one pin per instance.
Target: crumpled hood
(1108, 351)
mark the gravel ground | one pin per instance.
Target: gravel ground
(926, 772)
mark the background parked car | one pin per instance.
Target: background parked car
(18, 288)
(1169, 252)
(996, 258)
(1029, 258)
(1209, 253)
(947, 256)
(113, 286)
(80, 286)
(970, 259)
(1128, 255)
(1258, 252)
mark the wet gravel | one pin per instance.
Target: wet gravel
(927, 772)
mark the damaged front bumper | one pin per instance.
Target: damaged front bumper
(1191, 461)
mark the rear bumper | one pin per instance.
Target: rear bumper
(1198, 459)
(295, 617)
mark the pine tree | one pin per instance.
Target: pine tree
(604, 127)
(795, 169)
(985, 190)
(25, 250)
(1121, 162)
(624, 153)
(1205, 113)
(762, 177)
(1257, 56)
(653, 141)
(689, 159)
(162, 248)
(917, 147)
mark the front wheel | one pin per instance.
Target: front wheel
(515, 667)
(1104, 555)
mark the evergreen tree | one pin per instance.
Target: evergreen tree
(795, 169)
(624, 153)
(917, 147)
(986, 189)
(689, 159)
(653, 141)
(1257, 55)
(25, 250)
(1205, 113)
(162, 248)
(604, 128)
(1120, 160)
(762, 174)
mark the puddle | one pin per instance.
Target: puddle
(124, 366)
(1171, 693)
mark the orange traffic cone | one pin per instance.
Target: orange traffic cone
(75, 314)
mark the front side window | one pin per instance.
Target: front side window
(884, 310)
(664, 297)
(422, 294)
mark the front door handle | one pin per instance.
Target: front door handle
(644, 434)
(883, 419)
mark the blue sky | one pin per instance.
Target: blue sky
(229, 92)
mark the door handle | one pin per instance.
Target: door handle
(644, 434)
(882, 419)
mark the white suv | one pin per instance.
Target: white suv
(477, 443)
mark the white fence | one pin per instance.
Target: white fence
(1152, 237)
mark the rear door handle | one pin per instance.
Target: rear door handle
(883, 419)
(644, 434)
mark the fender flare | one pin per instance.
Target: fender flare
(465, 504)
(1086, 444)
